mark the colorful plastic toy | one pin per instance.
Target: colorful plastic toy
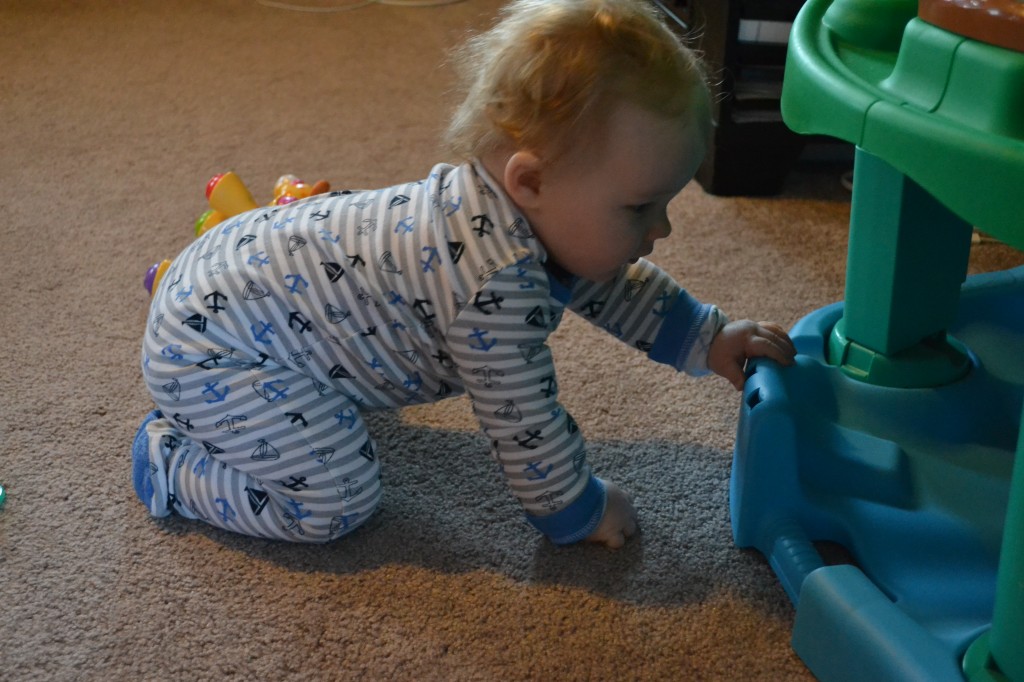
(228, 196)
(898, 433)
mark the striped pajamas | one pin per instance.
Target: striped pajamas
(271, 334)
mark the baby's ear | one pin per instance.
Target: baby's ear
(523, 178)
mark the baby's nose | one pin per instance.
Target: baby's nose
(661, 229)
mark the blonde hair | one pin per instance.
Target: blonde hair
(550, 67)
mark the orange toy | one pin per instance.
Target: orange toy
(228, 196)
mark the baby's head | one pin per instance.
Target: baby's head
(550, 70)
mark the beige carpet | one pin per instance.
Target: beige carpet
(112, 118)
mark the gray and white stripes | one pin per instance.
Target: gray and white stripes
(272, 333)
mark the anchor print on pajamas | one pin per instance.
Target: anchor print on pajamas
(271, 335)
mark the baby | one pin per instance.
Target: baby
(272, 334)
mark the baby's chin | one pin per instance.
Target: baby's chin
(601, 278)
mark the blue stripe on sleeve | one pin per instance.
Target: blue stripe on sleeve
(578, 520)
(680, 330)
(559, 291)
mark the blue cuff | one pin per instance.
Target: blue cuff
(680, 330)
(141, 479)
(576, 521)
(560, 291)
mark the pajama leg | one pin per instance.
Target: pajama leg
(265, 452)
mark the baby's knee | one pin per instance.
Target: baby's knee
(335, 514)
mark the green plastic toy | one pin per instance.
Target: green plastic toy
(936, 112)
(938, 121)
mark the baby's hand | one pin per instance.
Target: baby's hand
(619, 520)
(743, 339)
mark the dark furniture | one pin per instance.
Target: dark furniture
(743, 45)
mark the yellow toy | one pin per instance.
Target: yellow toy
(228, 196)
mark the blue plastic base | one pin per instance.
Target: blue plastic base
(913, 483)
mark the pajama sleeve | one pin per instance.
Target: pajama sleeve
(645, 308)
(499, 343)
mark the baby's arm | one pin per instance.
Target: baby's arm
(727, 356)
(498, 341)
(738, 341)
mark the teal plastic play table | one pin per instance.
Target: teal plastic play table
(896, 433)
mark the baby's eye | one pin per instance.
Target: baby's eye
(641, 208)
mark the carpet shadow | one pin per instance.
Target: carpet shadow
(446, 509)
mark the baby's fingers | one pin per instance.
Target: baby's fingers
(615, 541)
(771, 340)
(618, 538)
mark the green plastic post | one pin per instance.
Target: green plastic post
(906, 262)
(1008, 619)
(998, 655)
